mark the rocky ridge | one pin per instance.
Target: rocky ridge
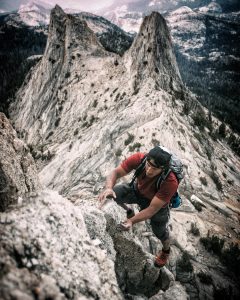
(87, 107)
(205, 42)
(205, 35)
(27, 41)
(152, 54)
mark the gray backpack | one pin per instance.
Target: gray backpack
(175, 166)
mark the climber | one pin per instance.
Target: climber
(143, 191)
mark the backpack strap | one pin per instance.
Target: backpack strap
(176, 200)
(162, 177)
(139, 170)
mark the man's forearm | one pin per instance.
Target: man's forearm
(111, 180)
(145, 214)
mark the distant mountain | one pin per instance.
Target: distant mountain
(146, 6)
(112, 37)
(35, 13)
(129, 16)
(208, 55)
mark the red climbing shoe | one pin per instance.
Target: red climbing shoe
(161, 259)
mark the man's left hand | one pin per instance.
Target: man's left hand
(125, 226)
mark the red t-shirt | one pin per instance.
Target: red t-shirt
(147, 186)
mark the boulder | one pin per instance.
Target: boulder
(48, 237)
(175, 291)
(134, 266)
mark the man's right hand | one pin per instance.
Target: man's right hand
(107, 193)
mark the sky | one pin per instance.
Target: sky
(88, 5)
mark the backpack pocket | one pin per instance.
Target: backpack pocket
(175, 201)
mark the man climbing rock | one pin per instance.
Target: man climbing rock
(152, 187)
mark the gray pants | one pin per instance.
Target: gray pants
(127, 194)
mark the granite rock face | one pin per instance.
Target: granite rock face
(134, 265)
(176, 291)
(151, 55)
(18, 174)
(46, 252)
(70, 42)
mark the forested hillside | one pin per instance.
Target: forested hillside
(17, 43)
(215, 78)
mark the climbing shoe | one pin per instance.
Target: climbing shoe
(130, 213)
(162, 258)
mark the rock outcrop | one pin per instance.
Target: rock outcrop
(151, 55)
(69, 43)
(18, 174)
(136, 273)
(46, 252)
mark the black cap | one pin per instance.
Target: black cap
(160, 157)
